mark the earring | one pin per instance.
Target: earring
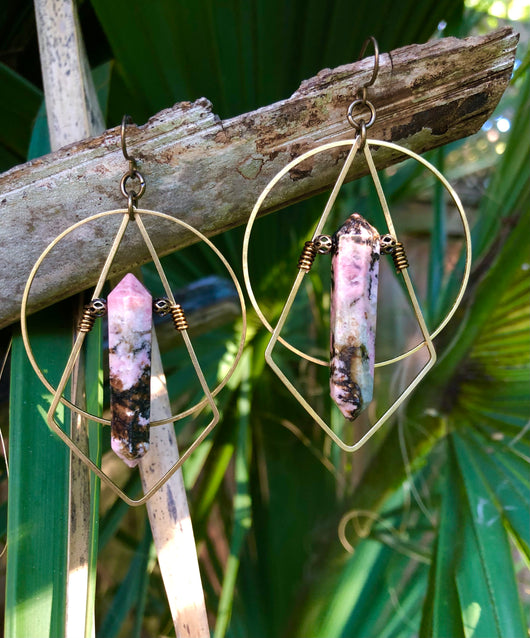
(129, 308)
(355, 251)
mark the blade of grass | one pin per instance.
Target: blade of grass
(486, 579)
(94, 404)
(19, 110)
(438, 243)
(130, 590)
(38, 489)
(242, 499)
(441, 610)
(142, 593)
(169, 516)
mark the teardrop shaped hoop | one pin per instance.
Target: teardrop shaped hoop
(354, 145)
(124, 213)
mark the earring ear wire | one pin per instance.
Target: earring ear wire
(130, 214)
(360, 142)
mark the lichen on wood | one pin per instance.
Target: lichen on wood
(209, 172)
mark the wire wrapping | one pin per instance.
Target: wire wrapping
(164, 306)
(178, 316)
(96, 308)
(399, 256)
(307, 256)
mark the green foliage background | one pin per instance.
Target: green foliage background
(446, 487)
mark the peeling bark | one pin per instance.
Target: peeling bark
(209, 172)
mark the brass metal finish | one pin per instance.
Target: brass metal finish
(96, 308)
(161, 306)
(391, 246)
(132, 174)
(387, 244)
(132, 195)
(104, 276)
(127, 119)
(307, 256)
(375, 73)
(399, 257)
(178, 316)
(58, 397)
(323, 244)
(358, 123)
(354, 144)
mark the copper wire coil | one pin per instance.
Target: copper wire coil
(179, 318)
(87, 321)
(399, 257)
(307, 256)
(96, 308)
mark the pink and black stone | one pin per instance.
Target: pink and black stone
(354, 278)
(130, 319)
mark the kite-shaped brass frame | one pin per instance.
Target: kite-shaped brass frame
(129, 214)
(356, 144)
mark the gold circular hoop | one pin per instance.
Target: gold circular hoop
(124, 211)
(351, 143)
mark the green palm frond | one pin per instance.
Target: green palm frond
(266, 489)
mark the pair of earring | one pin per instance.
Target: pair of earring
(355, 250)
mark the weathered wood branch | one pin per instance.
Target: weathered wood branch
(209, 172)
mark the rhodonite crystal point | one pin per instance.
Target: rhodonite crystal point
(354, 278)
(130, 319)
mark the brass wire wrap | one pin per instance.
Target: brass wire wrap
(391, 246)
(307, 256)
(164, 306)
(178, 316)
(399, 256)
(96, 308)
(59, 391)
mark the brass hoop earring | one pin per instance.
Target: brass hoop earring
(135, 445)
(348, 389)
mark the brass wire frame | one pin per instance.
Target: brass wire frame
(57, 392)
(2, 440)
(355, 145)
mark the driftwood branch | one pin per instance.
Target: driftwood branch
(209, 172)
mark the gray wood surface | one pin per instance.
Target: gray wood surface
(209, 172)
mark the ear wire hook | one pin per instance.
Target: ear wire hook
(361, 103)
(133, 173)
(375, 72)
(127, 119)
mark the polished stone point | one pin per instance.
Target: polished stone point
(353, 307)
(130, 319)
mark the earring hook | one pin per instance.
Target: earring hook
(127, 119)
(133, 172)
(361, 103)
(375, 72)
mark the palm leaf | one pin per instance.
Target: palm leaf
(20, 110)
(38, 495)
